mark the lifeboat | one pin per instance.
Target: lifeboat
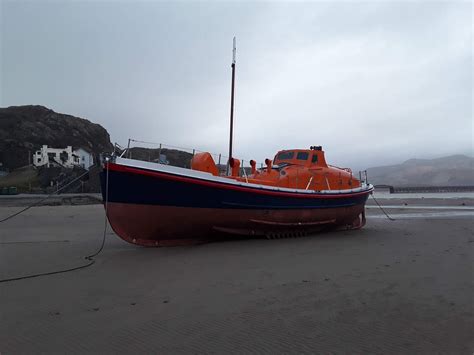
(296, 193)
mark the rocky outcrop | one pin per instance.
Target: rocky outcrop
(24, 129)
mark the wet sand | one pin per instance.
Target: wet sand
(393, 287)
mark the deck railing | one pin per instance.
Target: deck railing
(176, 156)
(181, 157)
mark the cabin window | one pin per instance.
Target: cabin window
(314, 159)
(285, 156)
(302, 156)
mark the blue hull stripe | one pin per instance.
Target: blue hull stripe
(133, 188)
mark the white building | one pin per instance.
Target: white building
(65, 157)
(85, 159)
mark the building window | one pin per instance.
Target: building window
(302, 156)
(64, 156)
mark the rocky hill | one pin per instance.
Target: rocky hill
(24, 129)
(455, 170)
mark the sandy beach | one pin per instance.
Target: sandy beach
(403, 286)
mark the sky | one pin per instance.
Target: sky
(373, 82)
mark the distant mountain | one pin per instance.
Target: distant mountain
(24, 129)
(455, 170)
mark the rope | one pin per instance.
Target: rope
(48, 273)
(89, 258)
(381, 208)
(43, 199)
(105, 217)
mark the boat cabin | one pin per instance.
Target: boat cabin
(306, 157)
(293, 168)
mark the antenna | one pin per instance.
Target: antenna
(234, 50)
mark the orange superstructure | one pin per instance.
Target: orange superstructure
(294, 168)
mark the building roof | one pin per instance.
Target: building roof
(84, 149)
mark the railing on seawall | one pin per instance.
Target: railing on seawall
(429, 189)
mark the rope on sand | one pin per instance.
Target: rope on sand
(89, 258)
(381, 208)
(43, 199)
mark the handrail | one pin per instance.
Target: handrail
(218, 157)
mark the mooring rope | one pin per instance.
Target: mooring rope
(382, 209)
(89, 258)
(106, 203)
(43, 199)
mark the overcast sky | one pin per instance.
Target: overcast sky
(374, 83)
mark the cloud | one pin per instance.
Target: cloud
(373, 83)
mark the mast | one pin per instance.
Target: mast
(232, 103)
